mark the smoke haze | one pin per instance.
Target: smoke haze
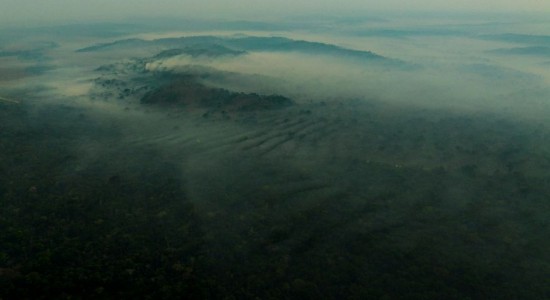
(247, 152)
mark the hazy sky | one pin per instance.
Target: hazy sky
(31, 11)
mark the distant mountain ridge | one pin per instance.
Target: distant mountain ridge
(245, 44)
(200, 51)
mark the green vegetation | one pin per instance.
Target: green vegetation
(118, 228)
(131, 223)
(166, 182)
(192, 95)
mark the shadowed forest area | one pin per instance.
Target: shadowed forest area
(271, 162)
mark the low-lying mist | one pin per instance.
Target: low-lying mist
(460, 83)
(373, 160)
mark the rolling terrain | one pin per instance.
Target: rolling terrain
(175, 168)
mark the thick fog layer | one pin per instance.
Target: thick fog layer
(305, 156)
(455, 63)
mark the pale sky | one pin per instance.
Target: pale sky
(32, 11)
